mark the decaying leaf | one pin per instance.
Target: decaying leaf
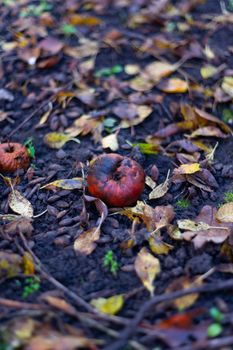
(76, 183)
(205, 228)
(81, 20)
(160, 190)
(181, 284)
(158, 246)
(153, 218)
(208, 71)
(109, 306)
(19, 204)
(11, 265)
(16, 224)
(227, 85)
(28, 264)
(147, 268)
(142, 113)
(225, 213)
(58, 140)
(85, 243)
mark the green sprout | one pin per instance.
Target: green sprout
(110, 262)
(68, 29)
(227, 115)
(215, 329)
(32, 285)
(228, 197)
(30, 147)
(183, 203)
(107, 72)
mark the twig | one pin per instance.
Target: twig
(147, 306)
(53, 281)
(30, 116)
(19, 304)
(218, 343)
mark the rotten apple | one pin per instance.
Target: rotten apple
(13, 156)
(117, 180)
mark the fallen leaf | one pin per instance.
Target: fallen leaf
(28, 264)
(18, 224)
(147, 268)
(225, 213)
(227, 85)
(208, 71)
(10, 265)
(158, 246)
(141, 83)
(157, 70)
(85, 243)
(58, 140)
(111, 142)
(19, 204)
(51, 45)
(142, 113)
(160, 190)
(183, 283)
(76, 183)
(59, 304)
(109, 306)
(173, 85)
(153, 218)
(82, 20)
(84, 125)
(206, 228)
(85, 49)
(187, 168)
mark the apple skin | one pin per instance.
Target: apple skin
(117, 180)
(13, 156)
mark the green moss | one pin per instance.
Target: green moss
(228, 197)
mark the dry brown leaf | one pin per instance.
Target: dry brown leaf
(141, 83)
(84, 125)
(208, 131)
(147, 268)
(86, 48)
(19, 204)
(153, 218)
(11, 265)
(183, 283)
(85, 243)
(142, 113)
(206, 228)
(225, 213)
(160, 190)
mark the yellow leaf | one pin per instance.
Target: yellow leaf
(225, 213)
(174, 85)
(82, 20)
(158, 246)
(132, 69)
(66, 184)
(147, 268)
(188, 168)
(58, 140)
(208, 71)
(19, 204)
(109, 306)
(227, 85)
(28, 264)
(111, 142)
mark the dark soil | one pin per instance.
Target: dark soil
(55, 231)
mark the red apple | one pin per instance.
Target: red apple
(117, 180)
(13, 156)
